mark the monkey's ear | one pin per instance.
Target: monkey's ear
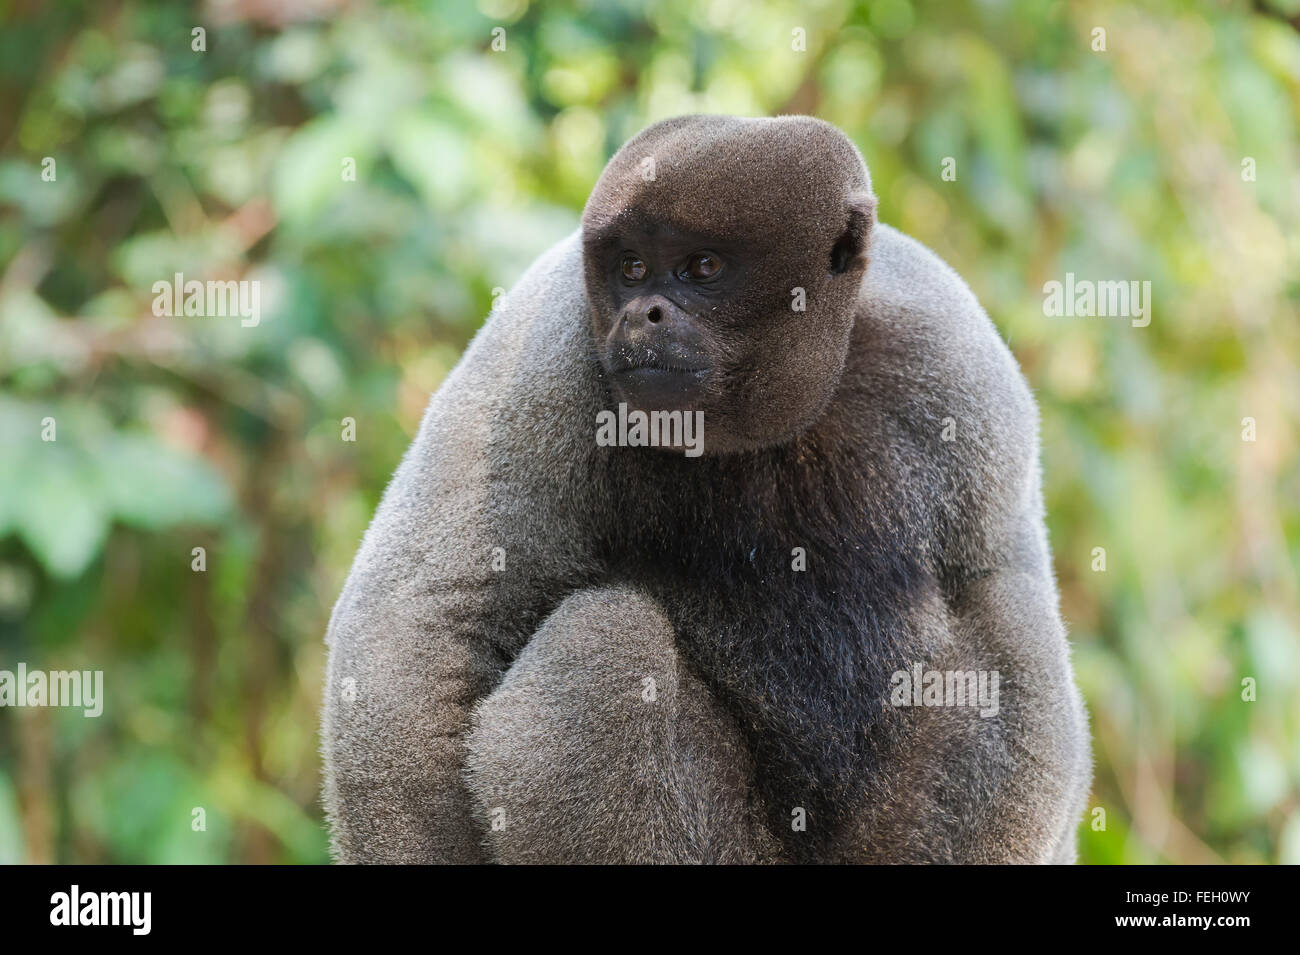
(850, 249)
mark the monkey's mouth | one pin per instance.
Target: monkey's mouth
(657, 369)
(626, 360)
(658, 384)
(650, 377)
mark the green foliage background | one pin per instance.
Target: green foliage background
(175, 433)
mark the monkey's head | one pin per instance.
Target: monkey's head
(723, 259)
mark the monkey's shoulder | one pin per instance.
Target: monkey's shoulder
(932, 395)
(530, 365)
(924, 347)
(913, 301)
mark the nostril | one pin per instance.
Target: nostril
(654, 314)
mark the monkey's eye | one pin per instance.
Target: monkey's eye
(633, 269)
(703, 266)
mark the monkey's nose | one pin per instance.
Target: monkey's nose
(652, 311)
(639, 315)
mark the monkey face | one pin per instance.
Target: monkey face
(727, 281)
(656, 347)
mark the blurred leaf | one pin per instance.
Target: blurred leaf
(152, 486)
(63, 515)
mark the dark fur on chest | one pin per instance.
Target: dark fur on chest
(802, 658)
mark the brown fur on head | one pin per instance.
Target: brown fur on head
(772, 205)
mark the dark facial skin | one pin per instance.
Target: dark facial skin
(659, 351)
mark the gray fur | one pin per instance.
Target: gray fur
(604, 666)
(516, 695)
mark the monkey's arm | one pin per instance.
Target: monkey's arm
(1027, 767)
(1015, 775)
(476, 538)
(1017, 768)
(1011, 785)
(1002, 775)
